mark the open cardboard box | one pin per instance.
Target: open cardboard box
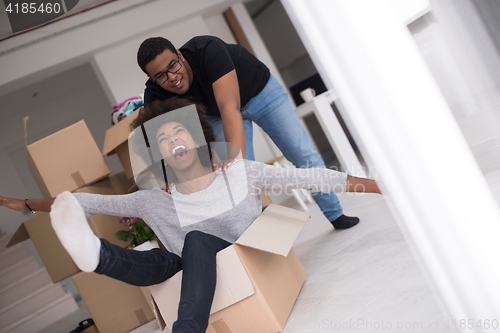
(65, 160)
(258, 278)
(116, 142)
(57, 261)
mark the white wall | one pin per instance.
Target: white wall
(218, 27)
(284, 44)
(57, 47)
(466, 66)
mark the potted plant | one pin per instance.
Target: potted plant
(143, 238)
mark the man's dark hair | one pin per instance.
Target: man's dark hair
(150, 49)
(158, 108)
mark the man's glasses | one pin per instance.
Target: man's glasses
(162, 77)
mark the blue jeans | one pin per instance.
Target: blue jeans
(272, 111)
(146, 268)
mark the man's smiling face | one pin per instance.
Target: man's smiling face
(177, 83)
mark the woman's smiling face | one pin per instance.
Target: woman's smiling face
(177, 146)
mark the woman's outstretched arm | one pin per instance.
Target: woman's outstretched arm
(93, 204)
(41, 205)
(270, 178)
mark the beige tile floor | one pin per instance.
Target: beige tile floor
(363, 279)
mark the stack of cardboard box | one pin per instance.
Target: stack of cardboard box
(69, 160)
(258, 278)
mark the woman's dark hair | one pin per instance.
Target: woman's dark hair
(150, 49)
(157, 108)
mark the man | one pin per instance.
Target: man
(237, 89)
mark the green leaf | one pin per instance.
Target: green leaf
(123, 235)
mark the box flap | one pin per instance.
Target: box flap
(166, 297)
(233, 283)
(159, 318)
(20, 235)
(119, 133)
(275, 230)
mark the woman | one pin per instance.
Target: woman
(204, 211)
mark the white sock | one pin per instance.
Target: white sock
(69, 222)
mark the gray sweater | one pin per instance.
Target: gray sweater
(225, 209)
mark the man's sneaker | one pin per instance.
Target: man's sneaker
(345, 222)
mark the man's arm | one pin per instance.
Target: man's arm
(41, 205)
(227, 95)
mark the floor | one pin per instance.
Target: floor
(361, 279)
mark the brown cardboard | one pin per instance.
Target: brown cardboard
(105, 226)
(273, 270)
(115, 306)
(65, 160)
(266, 200)
(57, 261)
(116, 141)
(149, 299)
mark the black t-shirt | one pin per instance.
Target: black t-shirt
(210, 59)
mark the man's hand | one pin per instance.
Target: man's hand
(223, 165)
(233, 154)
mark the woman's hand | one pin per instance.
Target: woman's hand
(362, 185)
(15, 204)
(41, 205)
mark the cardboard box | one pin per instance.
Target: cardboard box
(266, 200)
(116, 142)
(149, 299)
(115, 306)
(57, 261)
(258, 278)
(66, 160)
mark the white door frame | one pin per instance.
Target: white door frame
(402, 124)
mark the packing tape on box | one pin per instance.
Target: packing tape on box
(25, 120)
(78, 179)
(220, 326)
